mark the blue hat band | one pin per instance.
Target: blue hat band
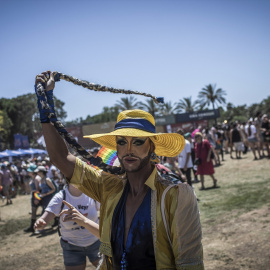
(141, 124)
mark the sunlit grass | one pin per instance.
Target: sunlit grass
(233, 200)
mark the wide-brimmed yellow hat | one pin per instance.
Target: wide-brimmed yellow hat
(138, 123)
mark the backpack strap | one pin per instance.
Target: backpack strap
(163, 213)
(62, 206)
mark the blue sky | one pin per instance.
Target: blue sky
(166, 48)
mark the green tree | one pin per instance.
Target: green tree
(128, 103)
(109, 114)
(266, 106)
(166, 108)
(5, 126)
(263, 107)
(186, 105)
(234, 113)
(76, 122)
(24, 116)
(210, 95)
(149, 106)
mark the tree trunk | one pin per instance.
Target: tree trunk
(214, 109)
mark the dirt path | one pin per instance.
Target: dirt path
(242, 242)
(26, 251)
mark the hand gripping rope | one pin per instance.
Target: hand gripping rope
(46, 104)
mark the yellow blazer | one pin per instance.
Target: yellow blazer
(181, 209)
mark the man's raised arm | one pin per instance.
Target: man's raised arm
(56, 146)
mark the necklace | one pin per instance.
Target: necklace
(124, 261)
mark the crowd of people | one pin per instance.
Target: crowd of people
(204, 149)
(27, 175)
(50, 191)
(239, 137)
(118, 215)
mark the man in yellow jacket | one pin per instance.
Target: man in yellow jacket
(133, 232)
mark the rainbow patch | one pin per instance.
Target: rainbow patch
(37, 196)
(108, 156)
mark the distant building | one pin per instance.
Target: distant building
(187, 121)
(169, 123)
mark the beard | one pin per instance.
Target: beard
(143, 162)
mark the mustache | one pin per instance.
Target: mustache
(130, 155)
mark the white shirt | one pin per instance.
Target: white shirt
(253, 131)
(183, 156)
(70, 230)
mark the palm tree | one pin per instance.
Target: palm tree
(208, 95)
(128, 103)
(109, 114)
(150, 106)
(186, 105)
(166, 108)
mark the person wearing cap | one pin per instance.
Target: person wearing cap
(132, 231)
(34, 185)
(46, 187)
(52, 172)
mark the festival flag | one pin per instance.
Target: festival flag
(17, 141)
(41, 141)
(25, 142)
(37, 196)
(108, 156)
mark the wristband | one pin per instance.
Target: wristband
(45, 104)
(51, 114)
(41, 101)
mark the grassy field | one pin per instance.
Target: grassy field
(236, 217)
(235, 220)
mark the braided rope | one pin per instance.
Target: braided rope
(102, 88)
(78, 148)
(60, 126)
